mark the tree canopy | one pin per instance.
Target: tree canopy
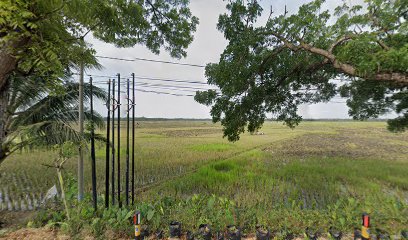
(44, 41)
(47, 35)
(300, 58)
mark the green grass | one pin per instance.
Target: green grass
(218, 147)
(319, 174)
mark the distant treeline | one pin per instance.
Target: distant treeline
(269, 120)
(165, 119)
(343, 120)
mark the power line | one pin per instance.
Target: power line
(172, 87)
(174, 80)
(151, 60)
(158, 92)
(192, 95)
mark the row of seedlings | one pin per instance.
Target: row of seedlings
(233, 232)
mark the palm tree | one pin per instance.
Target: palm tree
(40, 114)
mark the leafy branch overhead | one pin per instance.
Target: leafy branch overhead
(46, 35)
(298, 59)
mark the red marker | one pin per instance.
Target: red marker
(365, 231)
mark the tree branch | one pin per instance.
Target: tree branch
(382, 44)
(340, 41)
(45, 15)
(273, 54)
(396, 77)
(156, 10)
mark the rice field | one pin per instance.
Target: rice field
(316, 172)
(163, 150)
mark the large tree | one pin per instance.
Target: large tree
(45, 38)
(297, 59)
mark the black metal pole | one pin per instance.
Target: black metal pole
(127, 143)
(118, 149)
(133, 138)
(107, 148)
(93, 164)
(113, 141)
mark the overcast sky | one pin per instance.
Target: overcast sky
(207, 46)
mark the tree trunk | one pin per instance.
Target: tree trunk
(8, 64)
(3, 119)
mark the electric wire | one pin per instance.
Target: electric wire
(166, 86)
(134, 59)
(174, 80)
(157, 87)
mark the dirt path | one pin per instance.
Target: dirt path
(34, 234)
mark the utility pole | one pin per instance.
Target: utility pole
(127, 142)
(93, 164)
(81, 131)
(133, 138)
(113, 141)
(108, 105)
(118, 150)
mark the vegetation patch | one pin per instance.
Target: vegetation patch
(352, 143)
(223, 166)
(212, 147)
(194, 132)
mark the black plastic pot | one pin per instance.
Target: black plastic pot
(233, 233)
(145, 233)
(190, 235)
(311, 234)
(219, 235)
(404, 234)
(175, 229)
(381, 235)
(262, 233)
(289, 236)
(205, 231)
(159, 234)
(357, 234)
(336, 234)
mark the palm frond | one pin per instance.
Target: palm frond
(43, 134)
(42, 119)
(61, 107)
(24, 91)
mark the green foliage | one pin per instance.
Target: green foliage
(40, 118)
(291, 60)
(212, 147)
(48, 36)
